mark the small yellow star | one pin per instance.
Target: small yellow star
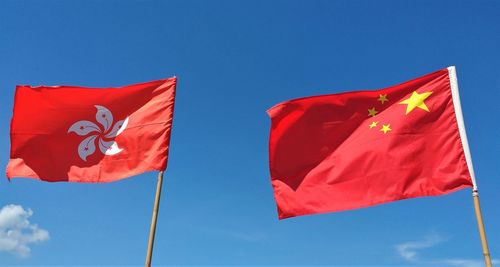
(373, 124)
(383, 98)
(372, 112)
(416, 100)
(386, 128)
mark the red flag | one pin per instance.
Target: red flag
(357, 149)
(77, 134)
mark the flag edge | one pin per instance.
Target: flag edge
(452, 74)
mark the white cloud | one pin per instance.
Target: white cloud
(252, 237)
(410, 252)
(17, 233)
(465, 262)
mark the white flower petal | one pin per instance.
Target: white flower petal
(104, 117)
(109, 148)
(118, 128)
(83, 128)
(87, 147)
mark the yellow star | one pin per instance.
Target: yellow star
(386, 128)
(374, 124)
(383, 98)
(372, 112)
(416, 100)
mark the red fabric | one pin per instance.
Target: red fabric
(52, 129)
(324, 157)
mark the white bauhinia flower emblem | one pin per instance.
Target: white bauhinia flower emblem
(103, 136)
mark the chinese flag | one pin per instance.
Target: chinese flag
(357, 149)
(91, 135)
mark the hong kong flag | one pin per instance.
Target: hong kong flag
(91, 135)
(357, 149)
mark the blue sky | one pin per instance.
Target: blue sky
(234, 60)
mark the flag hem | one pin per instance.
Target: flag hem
(460, 121)
(340, 93)
(93, 88)
(170, 122)
(374, 204)
(10, 132)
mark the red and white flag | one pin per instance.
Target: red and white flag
(91, 135)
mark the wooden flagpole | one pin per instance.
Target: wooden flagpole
(153, 221)
(465, 144)
(480, 225)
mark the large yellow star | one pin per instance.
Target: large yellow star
(386, 128)
(416, 100)
(372, 112)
